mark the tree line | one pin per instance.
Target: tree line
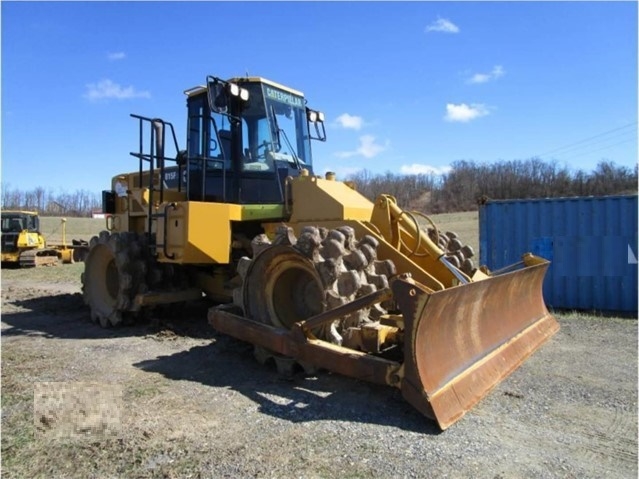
(81, 203)
(466, 184)
(469, 183)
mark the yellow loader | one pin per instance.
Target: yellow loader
(304, 267)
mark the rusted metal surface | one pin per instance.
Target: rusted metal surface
(459, 343)
(295, 344)
(348, 308)
(165, 297)
(307, 299)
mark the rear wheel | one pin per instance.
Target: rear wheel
(114, 273)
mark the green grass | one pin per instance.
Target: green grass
(465, 224)
(76, 228)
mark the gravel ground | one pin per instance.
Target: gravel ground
(196, 404)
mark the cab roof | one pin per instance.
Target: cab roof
(20, 212)
(196, 90)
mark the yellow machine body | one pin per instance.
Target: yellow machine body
(307, 267)
(462, 335)
(193, 232)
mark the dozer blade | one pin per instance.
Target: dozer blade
(461, 342)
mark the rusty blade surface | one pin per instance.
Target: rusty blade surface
(461, 342)
(294, 344)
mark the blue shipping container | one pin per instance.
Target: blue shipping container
(591, 242)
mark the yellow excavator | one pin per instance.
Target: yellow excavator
(303, 266)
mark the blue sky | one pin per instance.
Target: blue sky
(405, 87)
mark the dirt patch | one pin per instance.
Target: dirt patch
(195, 403)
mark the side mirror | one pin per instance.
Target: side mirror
(219, 93)
(317, 119)
(218, 101)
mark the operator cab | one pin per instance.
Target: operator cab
(245, 136)
(13, 224)
(18, 221)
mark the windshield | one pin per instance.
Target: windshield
(15, 223)
(274, 129)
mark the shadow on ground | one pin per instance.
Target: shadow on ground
(229, 363)
(66, 316)
(225, 363)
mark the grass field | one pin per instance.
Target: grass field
(76, 228)
(465, 224)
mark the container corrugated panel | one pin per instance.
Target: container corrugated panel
(590, 241)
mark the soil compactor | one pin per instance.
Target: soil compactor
(304, 267)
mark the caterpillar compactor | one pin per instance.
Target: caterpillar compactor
(304, 267)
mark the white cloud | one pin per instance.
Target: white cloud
(498, 71)
(464, 113)
(442, 25)
(350, 121)
(116, 56)
(479, 78)
(419, 169)
(495, 73)
(107, 89)
(367, 148)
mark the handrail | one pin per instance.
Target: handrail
(155, 157)
(165, 235)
